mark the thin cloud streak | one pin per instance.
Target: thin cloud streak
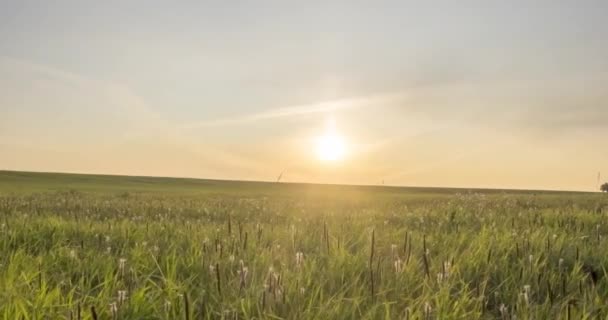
(302, 110)
(118, 100)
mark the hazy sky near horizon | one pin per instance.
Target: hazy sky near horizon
(435, 93)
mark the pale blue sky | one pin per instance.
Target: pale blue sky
(459, 93)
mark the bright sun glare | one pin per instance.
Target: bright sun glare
(330, 147)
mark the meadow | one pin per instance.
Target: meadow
(110, 247)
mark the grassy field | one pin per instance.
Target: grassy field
(111, 247)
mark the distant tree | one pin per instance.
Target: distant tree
(604, 187)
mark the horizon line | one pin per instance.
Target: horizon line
(299, 182)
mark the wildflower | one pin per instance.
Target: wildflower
(302, 290)
(440, 277)
(526, 294)
(504, 311)
(122, 262)
(447, 268)
(73, 254)
(427, 310)
(122, 296)
(398, 265)
(113, 309)
(243, 274)
(299, 259)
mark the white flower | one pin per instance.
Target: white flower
(526, 294)
(427, 309)
(447, 268)
(299, 259)
(113, 308)
(122, 296)
(440, 277)
(503, 310)
(243, 273)
(121, 264)
(398, 265)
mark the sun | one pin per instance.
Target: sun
(330, 147)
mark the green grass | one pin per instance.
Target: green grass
(368, 252)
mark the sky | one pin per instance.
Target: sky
(498, 94)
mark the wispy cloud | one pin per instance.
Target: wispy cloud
(56, 94)
(302, 110)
